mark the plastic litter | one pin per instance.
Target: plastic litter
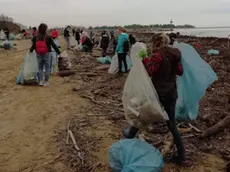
(2, 35)
(12, 36)
(140, 99)
(30, 70)
(73, 42)
(135, 155)
(64, 62)
(113, 69)
(213, 52)
(20, 78)
(198, 76)
(104, 60)
(6, 45)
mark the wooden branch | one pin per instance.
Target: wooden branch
(194, 128)
(220, 126)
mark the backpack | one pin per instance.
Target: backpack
(41, 46)
(126, 46)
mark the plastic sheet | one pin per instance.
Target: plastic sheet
(135, 155)
(104, 60)
(20, 78)
(140, 99)
(198, 76)
(30, 67)
(114, 65)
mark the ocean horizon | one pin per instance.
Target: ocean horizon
(223, 32)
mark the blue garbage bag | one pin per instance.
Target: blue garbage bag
(20, 78)
(191, 86)
(104, 60)
(135, 155)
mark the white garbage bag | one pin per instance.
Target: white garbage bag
(30, 66)
(73, 41)
(136, 49)
(140, 100)
(114, 67)
(2, 35)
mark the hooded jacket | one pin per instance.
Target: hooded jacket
(120, 42)
(163, 67)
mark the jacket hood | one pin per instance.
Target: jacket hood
(124, 35)
(171, 53)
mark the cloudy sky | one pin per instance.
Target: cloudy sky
(118, 12)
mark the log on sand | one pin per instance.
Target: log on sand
(220, 126)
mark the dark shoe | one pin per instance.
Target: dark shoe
(130, 132)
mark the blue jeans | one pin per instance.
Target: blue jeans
(43, 61)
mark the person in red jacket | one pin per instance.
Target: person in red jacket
(54, 34)
(163, 67)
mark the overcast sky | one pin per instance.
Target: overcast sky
(117, 12)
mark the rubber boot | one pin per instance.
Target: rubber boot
(130, 132)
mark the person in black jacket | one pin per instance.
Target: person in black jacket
(78, 36)
(42, 44)
(88, 45)
(67, 36)
(104, 43)
(7, 32)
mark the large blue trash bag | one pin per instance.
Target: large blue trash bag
(198, 76)
(20, 78)
(135, 155)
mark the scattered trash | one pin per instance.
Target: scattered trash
(2, 35)
(12, 36)
(104, 60)
(213, 52)
(64, 62)
(135, 155)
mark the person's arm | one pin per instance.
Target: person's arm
(180, 70)
(152, 64)
(54, 46)
(33, 44)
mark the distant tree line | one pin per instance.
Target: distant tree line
(4, 18)
(138, 26)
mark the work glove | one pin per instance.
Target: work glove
(142, 54)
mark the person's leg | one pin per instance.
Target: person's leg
(119, 56)
(170, 106)
(40, 69)
(124, 61)
(47, 67)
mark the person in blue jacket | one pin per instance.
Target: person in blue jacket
(122, 48)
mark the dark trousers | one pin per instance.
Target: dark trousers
(170, 107)
(78, 41)
(104, 52)
(122, 58)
